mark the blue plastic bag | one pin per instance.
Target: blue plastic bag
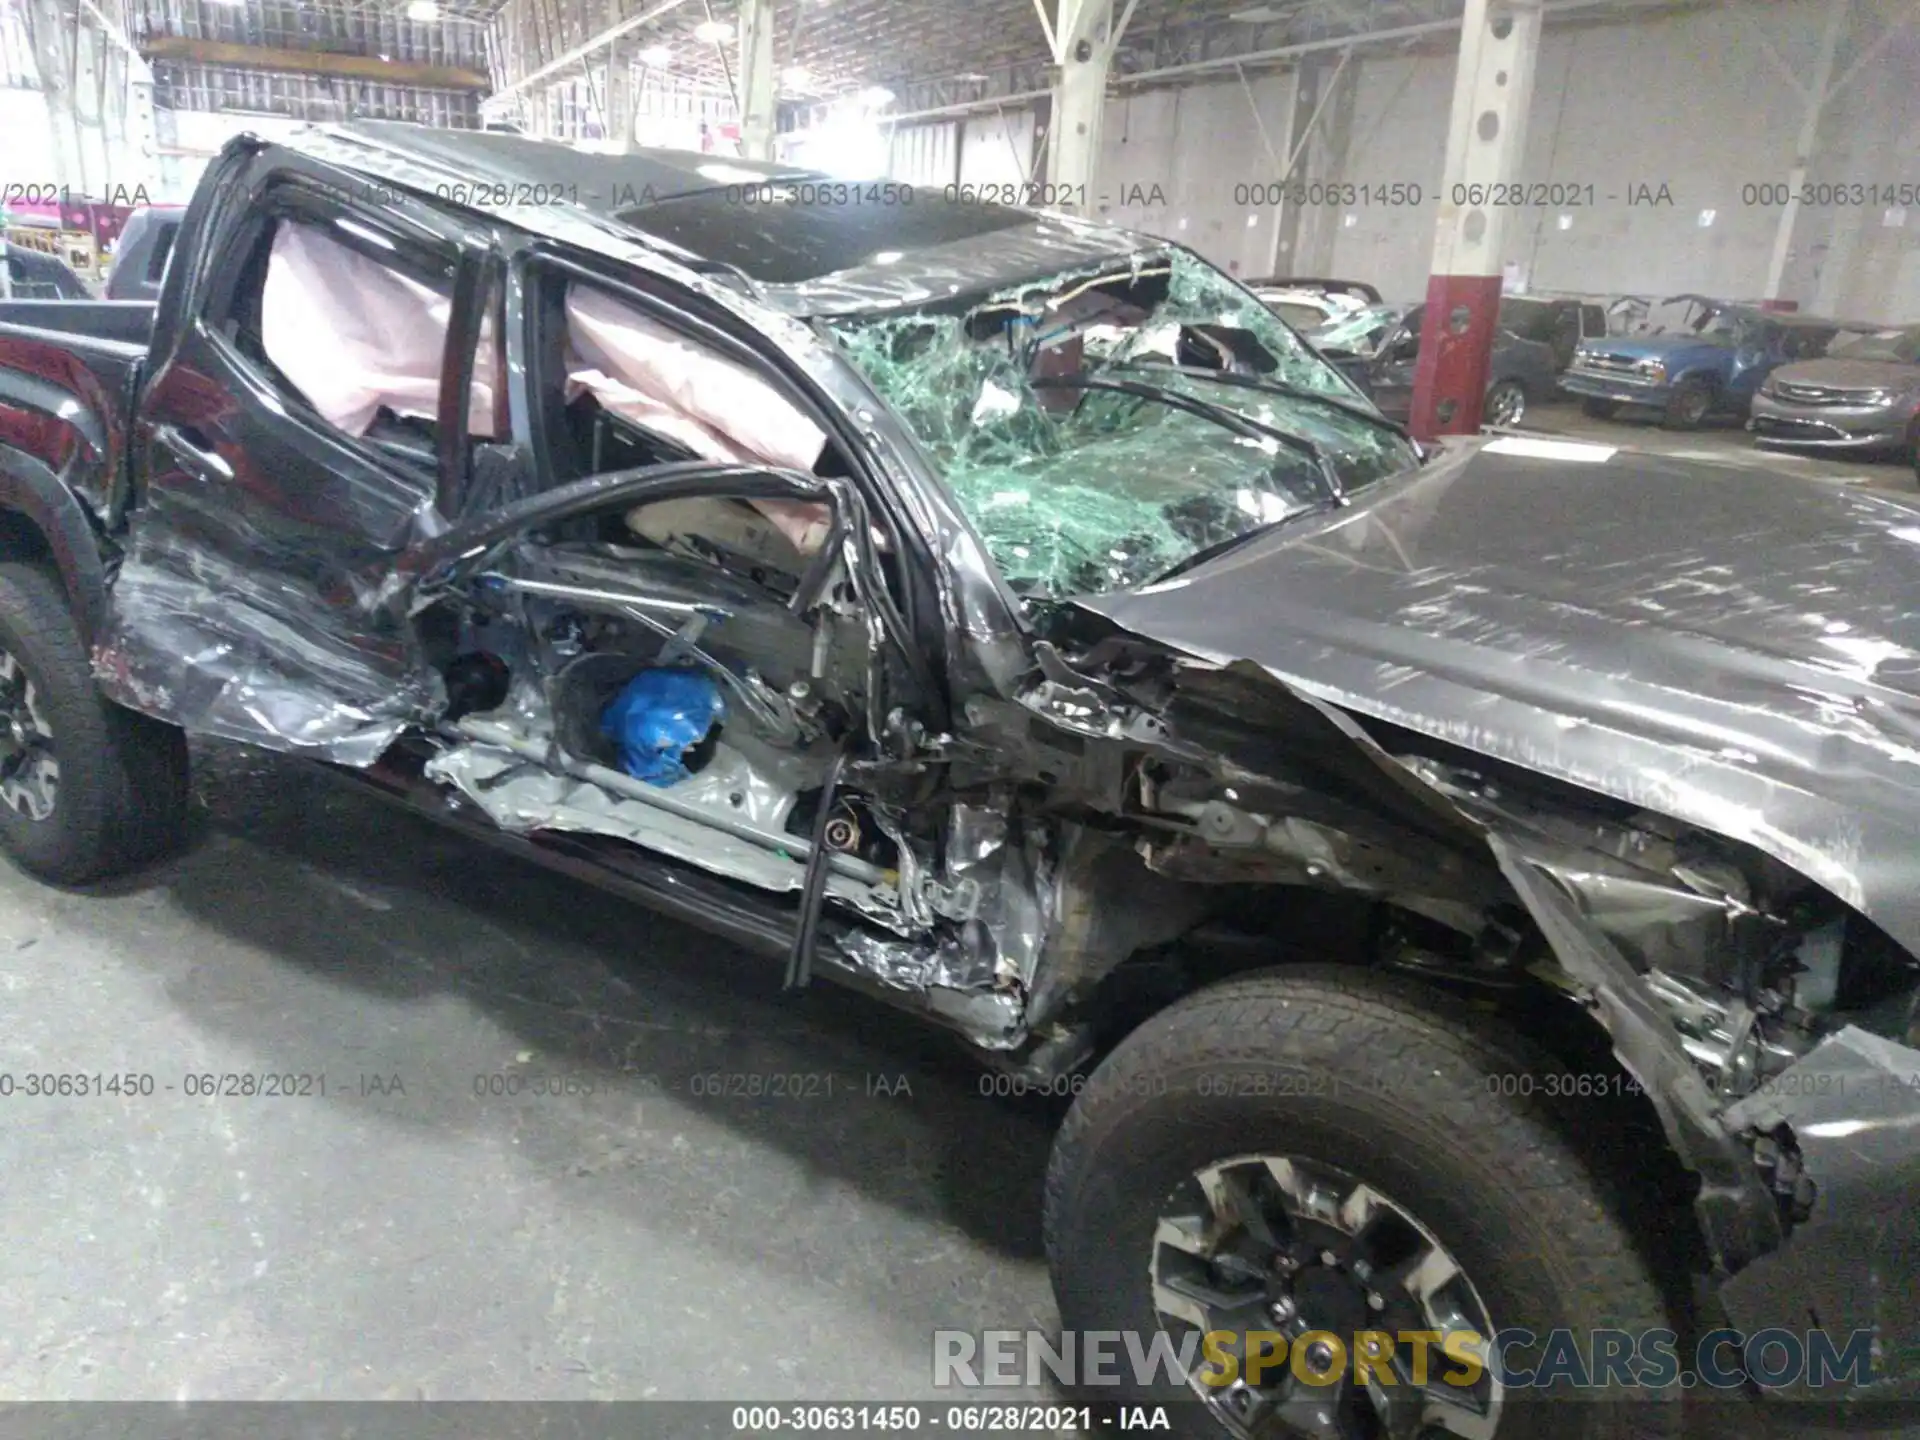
(658, 716)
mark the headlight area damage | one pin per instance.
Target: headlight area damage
(1770, 1025)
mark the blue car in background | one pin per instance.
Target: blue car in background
(1694, 357)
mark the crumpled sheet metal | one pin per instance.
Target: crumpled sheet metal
(1008, 863)
(1006, 868)
(1853, 1106)
(287, 648)
(188, 648)
(949, 963)
(1666, 909)
(522, 797)
(1738, 651)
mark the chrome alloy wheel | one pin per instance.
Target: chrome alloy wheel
(1506, 405)
(1278, 1248)
(29, 770)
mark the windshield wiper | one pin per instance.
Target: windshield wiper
(1221, 415)
(1268, 386)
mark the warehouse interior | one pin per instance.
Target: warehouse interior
(573, 1150)
(1695, 102)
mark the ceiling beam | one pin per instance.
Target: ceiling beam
(311, 62)
(599, 41)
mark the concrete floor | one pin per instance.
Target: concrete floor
(641, 1241)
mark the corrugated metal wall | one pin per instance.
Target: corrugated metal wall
(1692, 103)
(998, 149)
(925, 156)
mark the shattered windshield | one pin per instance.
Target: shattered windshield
(1080, 490)
(1360, 331)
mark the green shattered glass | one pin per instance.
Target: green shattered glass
(1084, 491)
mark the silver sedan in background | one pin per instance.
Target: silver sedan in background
(1864, 394)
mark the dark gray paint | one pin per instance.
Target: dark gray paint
(1739, 651)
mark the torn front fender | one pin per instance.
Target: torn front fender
(1848, 1115)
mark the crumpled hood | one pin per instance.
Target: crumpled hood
(1734, 647)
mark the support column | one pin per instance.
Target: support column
(90, 107)
(1306, 80)
(1321, 154)
(621, 94)
(1084, 36)
(1815, 98)
(54, 36)
(758, 94)
(1486, 137)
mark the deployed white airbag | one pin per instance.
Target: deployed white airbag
(646, 373)
(640, 369)
(354, 336)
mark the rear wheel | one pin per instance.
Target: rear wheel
(87, 789)
(1306, 1159)
(1689, 405)
(1599, 409)
(1506, 404)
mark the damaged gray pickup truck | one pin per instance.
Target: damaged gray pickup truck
(1468, 891)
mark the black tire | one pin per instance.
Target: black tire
(1504, 392)
(1689, 405)
(1598, 409)
(121, 798)
(1494, 1176)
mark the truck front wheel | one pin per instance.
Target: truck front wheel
(1302, 1179)
(1689, 405)
(87, 790)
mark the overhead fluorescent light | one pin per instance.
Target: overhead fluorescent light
(1256, 15)
(877, 95)
(425, 11)
(712, 31)
(656, 56)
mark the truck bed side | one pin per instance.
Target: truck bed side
(68, 373)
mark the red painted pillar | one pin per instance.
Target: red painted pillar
(1486, 137)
